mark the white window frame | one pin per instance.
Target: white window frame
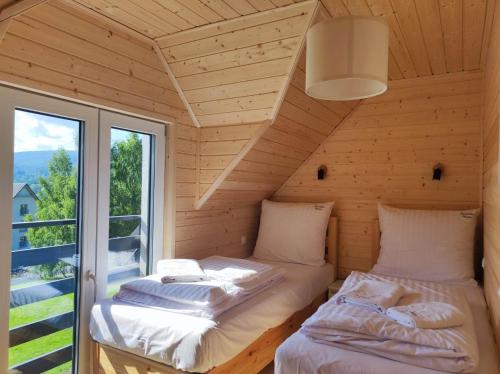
(107, 121)
(11, 99)
(15, 98)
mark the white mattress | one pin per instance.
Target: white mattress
(300, 355)
(197, 344)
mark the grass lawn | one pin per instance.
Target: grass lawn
(40, 310)
(38, 347)
(34, 312)
(29, 313)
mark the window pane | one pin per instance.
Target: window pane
(44, 242)
(129, 207)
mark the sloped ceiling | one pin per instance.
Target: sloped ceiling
(231, 62)
(236, 72)
(157, 18)
(277, 150)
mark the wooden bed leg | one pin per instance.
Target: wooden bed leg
(94, 353)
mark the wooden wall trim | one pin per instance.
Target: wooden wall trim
(108, 21)
(174, 81)
(170, 193)
(14, 10)
(293, 65)
(18, 8)
(4, 26)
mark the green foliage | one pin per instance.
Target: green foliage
(125, 180)
(57, 200)
(58, 196)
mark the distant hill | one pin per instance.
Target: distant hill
(29, 166)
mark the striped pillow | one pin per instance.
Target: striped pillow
(433, 245)
(293, 232)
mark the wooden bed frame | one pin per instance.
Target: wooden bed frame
(254, 358)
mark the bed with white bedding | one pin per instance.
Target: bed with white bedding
(198, 344)
(301, 355)
(430, 252)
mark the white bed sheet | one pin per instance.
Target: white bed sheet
(197, 344)
(300, 355)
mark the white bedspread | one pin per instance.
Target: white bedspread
(351, 327)
(198, 344)
(300, 355)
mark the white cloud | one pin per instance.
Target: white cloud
(35, 132)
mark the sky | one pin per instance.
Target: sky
(39, 132)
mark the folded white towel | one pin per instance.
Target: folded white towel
(180, 270)
(430, 315)
(374, 295)
(237, 271)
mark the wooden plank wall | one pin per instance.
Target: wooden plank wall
(385, 152)
(58, 51)
(491, 181)
(234, 72)
(233, 210)
(54, 49)
(218, 147)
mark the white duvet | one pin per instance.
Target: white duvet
(358, 329)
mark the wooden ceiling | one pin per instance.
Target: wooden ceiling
(237, 72)
(230, 60)
(157, 18)
(428, 37)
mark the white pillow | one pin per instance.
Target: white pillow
(293, 232)
(433, 245)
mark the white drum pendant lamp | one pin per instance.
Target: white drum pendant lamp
(347, 58)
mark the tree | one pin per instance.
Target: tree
(125, 183)
(57, 200)
(58, 196)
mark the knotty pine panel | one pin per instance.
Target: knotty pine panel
(491, 182)
(385, 152)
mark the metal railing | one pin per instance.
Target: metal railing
(50, 289)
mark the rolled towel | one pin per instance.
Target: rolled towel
(430, 315)
(373, 295)
(180, 270)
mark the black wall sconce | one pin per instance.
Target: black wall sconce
(322, 172)
(437, 172)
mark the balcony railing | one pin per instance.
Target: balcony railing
(47, 290)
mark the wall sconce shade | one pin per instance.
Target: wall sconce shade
(322, 172)
(347, 58)
(437, 172)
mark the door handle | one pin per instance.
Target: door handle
(90, 276)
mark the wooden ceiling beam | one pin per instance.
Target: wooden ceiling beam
(174, 81)
(4, 26)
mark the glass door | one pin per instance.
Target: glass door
(47, 159)
(130, 224)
